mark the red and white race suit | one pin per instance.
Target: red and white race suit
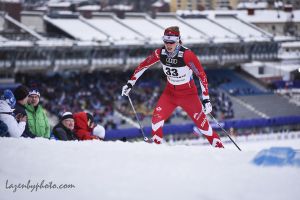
(180, 90)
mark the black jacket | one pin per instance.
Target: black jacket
(20, 109)
(62, 133)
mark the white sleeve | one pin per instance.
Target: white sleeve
(15, 129)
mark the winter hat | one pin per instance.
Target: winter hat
(21, 92)
(172, 31)
(172, 35)
(34, 92)
(66, 115)
(99, 131)
(9, 97)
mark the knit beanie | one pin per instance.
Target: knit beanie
(34, 92)
(66, 115)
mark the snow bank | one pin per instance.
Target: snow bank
(135, 171)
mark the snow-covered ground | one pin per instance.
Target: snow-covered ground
(141, 171)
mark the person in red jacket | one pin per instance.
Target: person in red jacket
(84, 126)
(179, 64)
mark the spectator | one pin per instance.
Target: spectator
(64, 130)
(14, 128)
(37, 118)
(21, 95)
(84, 125)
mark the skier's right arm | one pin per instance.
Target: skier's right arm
(143, 66)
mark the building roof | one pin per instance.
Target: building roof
(77, 29)
(118, 32)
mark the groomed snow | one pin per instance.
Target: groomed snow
(141, 171)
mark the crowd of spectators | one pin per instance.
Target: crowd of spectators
(22, 115)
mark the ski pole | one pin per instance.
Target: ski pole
(225, 131)
(146, 139)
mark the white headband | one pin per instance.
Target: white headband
(170, 38)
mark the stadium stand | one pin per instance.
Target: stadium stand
(228, 80)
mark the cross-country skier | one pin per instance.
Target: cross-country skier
(179, 63)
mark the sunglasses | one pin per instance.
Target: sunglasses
(169, 42)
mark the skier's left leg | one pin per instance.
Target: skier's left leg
(194, 110)
(161, 113)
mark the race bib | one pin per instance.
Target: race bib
(178, 75)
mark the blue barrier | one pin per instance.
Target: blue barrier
(188, 128)
(287, 84)
(278, 156)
